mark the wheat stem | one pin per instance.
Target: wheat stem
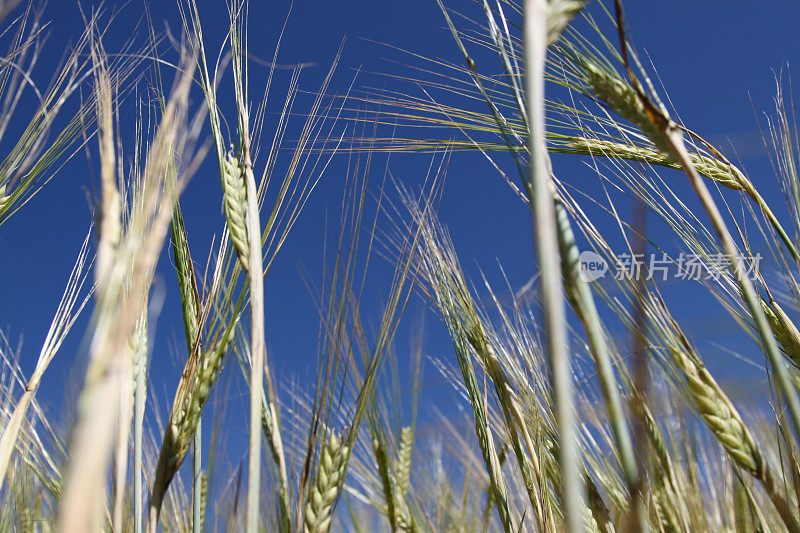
(256, 281)
(583, 303)
(547, 249)
(197, 478)
(140, 400)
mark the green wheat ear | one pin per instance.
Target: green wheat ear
(786, 333)
(234, 196)
(332, 467)
(4, 199)
(403, 462)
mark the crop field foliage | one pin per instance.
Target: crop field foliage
(584, 404)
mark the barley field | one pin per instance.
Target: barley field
(491, 283)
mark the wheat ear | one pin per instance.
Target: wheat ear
(199, 376)
(190, 302)
(330, 474)
(559, 14)
(727, 176)
(713, 404)
(234, 197)
(629, 101)
(386, 481)
(187, 284)
(5, 199)
(786, 333)
(721, 416)
(403, 463)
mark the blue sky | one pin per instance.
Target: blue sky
(718, 61)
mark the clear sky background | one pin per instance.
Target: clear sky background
(717, 59)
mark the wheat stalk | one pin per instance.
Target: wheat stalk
(121, 283)
(538, 184)
(140, 398)
(249, 204)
